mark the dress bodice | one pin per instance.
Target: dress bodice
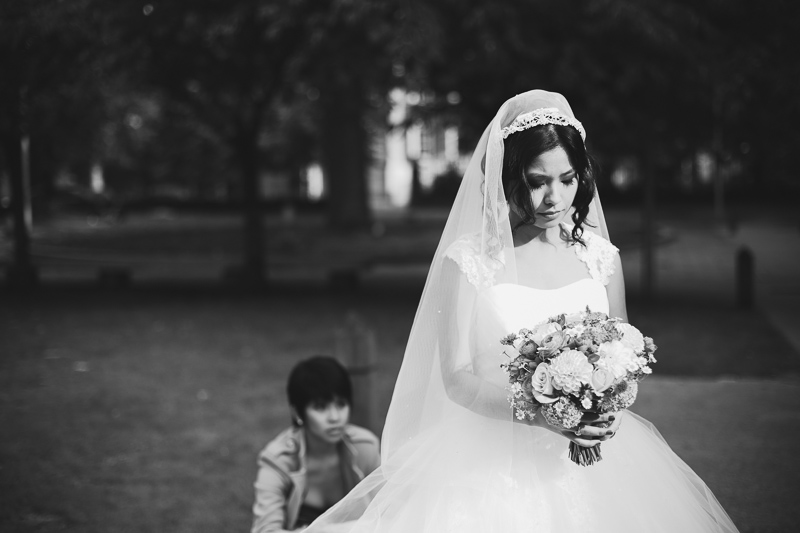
(503, 308)
(507, 308)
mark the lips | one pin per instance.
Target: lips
(550, 213)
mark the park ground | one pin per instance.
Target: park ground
(142, 408)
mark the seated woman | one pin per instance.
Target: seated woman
(314, 463)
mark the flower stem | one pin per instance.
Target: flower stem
(584, 456)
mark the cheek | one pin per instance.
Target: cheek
(313, 418)
(536, 198)
(571, 193)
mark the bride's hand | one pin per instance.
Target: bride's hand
(596, 427)
(593, 429)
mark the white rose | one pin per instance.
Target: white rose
(631, 337)
(602, 379)
(543, 330)
(570, 371)
(542, 384)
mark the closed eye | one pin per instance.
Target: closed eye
(534, 184)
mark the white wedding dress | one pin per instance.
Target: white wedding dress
(475, 474)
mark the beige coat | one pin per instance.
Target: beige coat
(281, 482)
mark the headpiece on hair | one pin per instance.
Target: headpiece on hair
(541, 116)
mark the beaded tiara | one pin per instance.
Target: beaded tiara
(538, 117)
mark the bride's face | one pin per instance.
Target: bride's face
(552, 183)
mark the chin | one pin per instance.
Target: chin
(547, 224)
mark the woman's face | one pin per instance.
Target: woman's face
(553, 184)
(326, 421)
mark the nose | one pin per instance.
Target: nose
(553, 195)
(334, 414)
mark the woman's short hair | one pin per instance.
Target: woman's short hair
(522, 148)
(318, 380)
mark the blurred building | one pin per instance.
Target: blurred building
(408, 156)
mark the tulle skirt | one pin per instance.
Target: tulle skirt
(474, 474)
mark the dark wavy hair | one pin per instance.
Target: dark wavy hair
(318, 380)
(522, 148)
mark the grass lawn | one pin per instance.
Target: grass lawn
(144, 411)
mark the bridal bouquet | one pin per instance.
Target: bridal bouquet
(574, 364)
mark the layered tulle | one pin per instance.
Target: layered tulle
(459, 478)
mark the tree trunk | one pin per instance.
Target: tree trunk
(344, 151)
(21, 274)
(254, 256)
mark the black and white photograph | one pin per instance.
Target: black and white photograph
(399, 266)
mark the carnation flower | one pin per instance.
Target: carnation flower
(561, 414)
(617, 358)
(631, 337)
(570, 371)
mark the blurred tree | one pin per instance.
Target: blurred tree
(659, 80)
(666, 73)
(226, 63)
(239, 65)
(357, 52)
(44, 64)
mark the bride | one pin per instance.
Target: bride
(526, 239)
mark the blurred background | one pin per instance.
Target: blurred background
(196, 194)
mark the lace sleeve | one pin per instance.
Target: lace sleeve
(466, 252)
(598, 254)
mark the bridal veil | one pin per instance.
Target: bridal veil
(453, 457)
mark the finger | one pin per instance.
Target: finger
(586, 443)
(598, 418)
(612, 429)
(615, 424)
(607, 436)
(589, 431)
(582, 440)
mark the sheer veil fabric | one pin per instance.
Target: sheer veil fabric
(453, 457)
